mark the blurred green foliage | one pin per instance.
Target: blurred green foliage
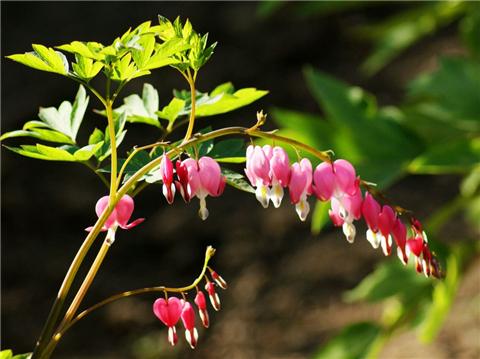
(435, 130)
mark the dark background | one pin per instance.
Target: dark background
(284, 299)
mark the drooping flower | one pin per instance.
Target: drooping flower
(345, 211)
(334, 180)
(120, 215)
(166, 169)
(202, 308)
(188, 319)
(279, 174)
(258, 172)
(218, 279)
(370, 211)
(182, 184)
(417, 246)
(399, 233)
(386, 222)
(212, 295)
(300, 187)
(169, 312)
(204, 179)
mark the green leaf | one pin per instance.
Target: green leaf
(67, 118)
(448, 97)
(86, 152)
(456, 156)
(6, 354)
(172, 110)
(237, 180)
(353, 342)
(44, 59)
(372, 139)
(86, 68)
(390, 279)
(141, 110)
(41, 134)
(320, 217)
(226, 102)
(55, 153)
(231, 148)
(97, 135)
(91, 50)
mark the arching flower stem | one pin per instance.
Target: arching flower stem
(209, 253)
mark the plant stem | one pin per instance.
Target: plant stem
(193, 96)
(208, 255)
(55, 312)
(113, 155)
(81, 292)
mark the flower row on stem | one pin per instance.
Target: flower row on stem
(270, 173)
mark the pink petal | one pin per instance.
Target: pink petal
(102, 203)
(200, 300)
(210, 175)
(268, 151)
(386, 220)
(298, 182)
(399, 233)
(371, 211)
(133, 224)
(346, 178)
(353, 204)
(415, 245)
(193, 182)
(324, 181)
(166, 169)
(124, 209)
(260, 166)
(188, 316)
(280, 166)
(168, 312)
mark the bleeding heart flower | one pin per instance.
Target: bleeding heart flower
(120, 215)
(218, 279)
(204, 179)
(169, 312)
(399, 233)
(300, 187)
(213, 296)
(188, 319)
(334, 180)
(386, 221)
(166, 169)
(258, 172)
(202, 308)
(279, 174)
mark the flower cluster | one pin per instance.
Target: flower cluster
(269, 171)
(200, 179)
(171, 310)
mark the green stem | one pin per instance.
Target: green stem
(193, 96)
(81, 292)
(56, 310)
(113, 155)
